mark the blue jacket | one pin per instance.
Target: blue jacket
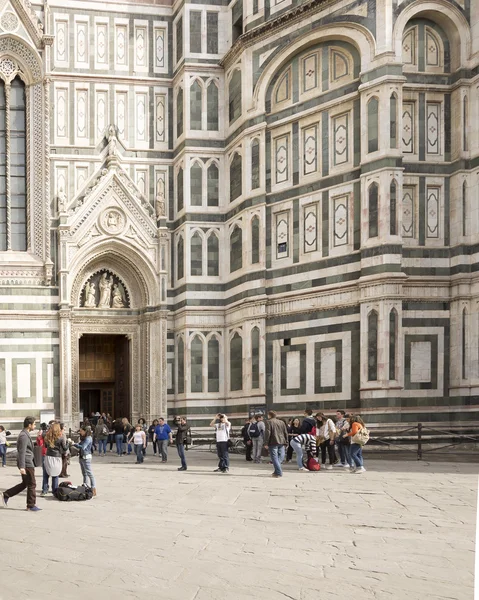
(162, 431)
(85, 446)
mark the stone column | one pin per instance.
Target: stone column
(66, 383)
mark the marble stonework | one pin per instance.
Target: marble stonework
(284, 195)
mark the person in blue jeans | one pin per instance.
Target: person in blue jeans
(3, 445)
(180, 441)
(138, 438)
(162, 435)
(85, 447)
(118, 429)
(275, 441)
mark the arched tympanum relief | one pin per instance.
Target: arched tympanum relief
(104, 290)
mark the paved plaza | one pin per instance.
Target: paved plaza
(403, 530)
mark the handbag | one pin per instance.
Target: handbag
(361, 437)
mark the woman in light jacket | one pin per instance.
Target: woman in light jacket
(326, 432)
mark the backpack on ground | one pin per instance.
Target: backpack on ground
(254, 430)
(67, 492)
(312, 464)
(361, 437)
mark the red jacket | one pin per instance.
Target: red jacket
(41, 443)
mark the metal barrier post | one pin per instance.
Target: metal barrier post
(419, 441)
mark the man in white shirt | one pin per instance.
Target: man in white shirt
(222, 429)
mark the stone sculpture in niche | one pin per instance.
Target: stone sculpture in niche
(62, 200)
(118, 301)
(90, 293)
(104, 290)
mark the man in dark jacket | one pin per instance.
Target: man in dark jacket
(248, 442)
(276, 440)
(308, 422)
(26, 466)
(180, 441)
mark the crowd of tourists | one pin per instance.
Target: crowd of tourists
(316, 441)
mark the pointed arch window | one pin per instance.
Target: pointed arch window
(179, 112)
(196, 254)
(373, 346)
(236, 249)
(373, 125)
(464, 208)
(464, 344)
(236, 363)
(213, 364)
(212, 106)
(255, 165)
(255, 337)
(196, 93)
(196, 185)
(373, 196)
(464, 123)
(213, 180)
(213, 255)
(255, 240)
(180, 373)
(234, 95)
(393, 121)
(196, 371)
(393, 208)
(180, 258)
(179, 190)
(236, 175)
(13, 194)
(393, 337)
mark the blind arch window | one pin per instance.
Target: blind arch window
(13, 189)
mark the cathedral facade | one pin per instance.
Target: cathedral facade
(228, 206)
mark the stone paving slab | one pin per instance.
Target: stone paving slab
(402, 530)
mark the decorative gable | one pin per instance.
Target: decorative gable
(19, 18)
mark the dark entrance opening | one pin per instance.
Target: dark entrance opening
(105, 375)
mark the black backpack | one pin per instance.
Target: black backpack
(254, 430)
(68, 493)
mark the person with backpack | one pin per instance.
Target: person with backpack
(151, 435)
(256, 433)
(85, 449)
(222, 429)
(101, 435)
(359, 436)
(342, 440)
(248, 443)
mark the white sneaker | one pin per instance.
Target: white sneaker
(323, 465)
(360, 470)
(328, 467)
(302, 469)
